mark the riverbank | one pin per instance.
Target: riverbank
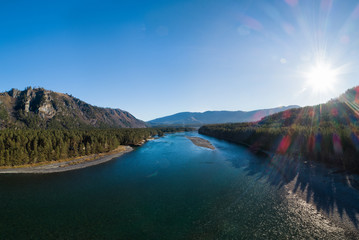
(201, 142)
(69, 165)
(237, 194)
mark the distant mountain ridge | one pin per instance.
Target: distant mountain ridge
(40, 108)
(214, 117)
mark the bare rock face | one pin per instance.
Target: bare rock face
(46, 109)
(30, 94)
(40, 108)
(14, 93)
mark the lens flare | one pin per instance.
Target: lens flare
(321, 77)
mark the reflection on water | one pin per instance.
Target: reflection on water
(172, 189)
(327, 190)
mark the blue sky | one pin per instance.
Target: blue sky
(155, 58)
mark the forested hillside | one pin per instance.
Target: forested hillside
(44, 109)
(328, 132)
(37, 125)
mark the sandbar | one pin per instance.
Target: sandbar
(201, 142)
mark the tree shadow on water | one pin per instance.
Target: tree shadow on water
(328, 190)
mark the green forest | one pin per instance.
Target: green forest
(327, 133)
(29, 146)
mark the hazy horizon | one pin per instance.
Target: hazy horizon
(159, 58)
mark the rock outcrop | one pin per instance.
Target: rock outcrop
(40, 108)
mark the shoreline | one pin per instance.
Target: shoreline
(310, 193)
(270, 154)
(69, 165)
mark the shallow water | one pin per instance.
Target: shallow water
(171, 189)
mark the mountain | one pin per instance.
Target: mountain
(339, 112)
(40, 108)
(212, 117)
(326, 133)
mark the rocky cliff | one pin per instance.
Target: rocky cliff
(40, 108)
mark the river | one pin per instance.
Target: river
(170, 188)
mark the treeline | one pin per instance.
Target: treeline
(339, 147)
(327, 133)
(27, 146)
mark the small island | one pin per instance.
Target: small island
(201, 142)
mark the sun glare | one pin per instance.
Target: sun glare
(321, 77)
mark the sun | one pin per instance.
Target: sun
(321, 77)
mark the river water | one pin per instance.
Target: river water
(170, 188)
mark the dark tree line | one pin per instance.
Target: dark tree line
(335, 146)
(28, 146)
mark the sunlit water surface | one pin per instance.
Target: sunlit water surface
(166, 189)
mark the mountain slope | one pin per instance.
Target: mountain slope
(40, 108)
(327, 132)
(212, 117)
